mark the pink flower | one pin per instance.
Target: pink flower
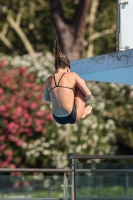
(9, 153)
(27, 85)
(2, 109)
(24, 103)
(17, 184)
(13, 127)
(8, 105)
(26, 183)
(49, 117)
(31, 77)
(18, 112)
(36, 88)
(19, 143)
(33, 105)
(31, 94)
(3, 63)
(12, 138)
(15, 174)
(9, 159)
(4, 164)
(2, 137)
(15, 140)
(26, 115)
(38, 128)
(28, 124)
(39, 113)
(5, 114)
(38, 124)
(2, 98)
(12, 166)
(2, 147)
(23, 70)
(13, 99)
(45, 112)
(1, 91)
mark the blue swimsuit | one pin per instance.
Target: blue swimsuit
(71, 118)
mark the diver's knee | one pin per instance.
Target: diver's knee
(83, 81)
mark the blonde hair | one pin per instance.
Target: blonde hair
(61, 60)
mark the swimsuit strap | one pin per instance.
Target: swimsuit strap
(54, 79)
(57, 85)
(65, 87)
(60, 79)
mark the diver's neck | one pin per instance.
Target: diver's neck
(61, 71)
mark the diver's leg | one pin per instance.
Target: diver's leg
(82, 111)
(87, 111)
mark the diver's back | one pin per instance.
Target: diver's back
(61, 89)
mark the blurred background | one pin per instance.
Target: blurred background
(29, 137)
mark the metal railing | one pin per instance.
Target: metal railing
(90, 157)
(73, 171)
(34, 170)
(64, 185)
(93, 157)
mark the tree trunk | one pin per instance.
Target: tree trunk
(69, 34)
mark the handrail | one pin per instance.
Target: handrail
(104, 170)
(33, 170)
(89, 157)
(65, 170)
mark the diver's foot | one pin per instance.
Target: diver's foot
(87, 111)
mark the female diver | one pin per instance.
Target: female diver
(67, 92)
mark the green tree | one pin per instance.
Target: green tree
(25, 28)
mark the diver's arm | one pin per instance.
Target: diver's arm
(46, 94)
(82, 86)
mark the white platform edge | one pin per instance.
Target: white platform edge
(114, 67)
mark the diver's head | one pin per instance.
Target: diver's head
(61, 60)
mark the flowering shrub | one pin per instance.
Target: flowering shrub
(23, 114)
(39, 64)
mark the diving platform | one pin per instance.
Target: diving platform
(116, 67)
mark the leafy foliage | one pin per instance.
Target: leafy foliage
(119, 108)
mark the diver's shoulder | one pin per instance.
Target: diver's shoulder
(72, 73)
(49, 78)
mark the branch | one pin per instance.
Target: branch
(91, 20)
(94, 36)
(5, 28)
(4, 38)
(15, 25)
(92, 16)
(18, 18)
(6, 41)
